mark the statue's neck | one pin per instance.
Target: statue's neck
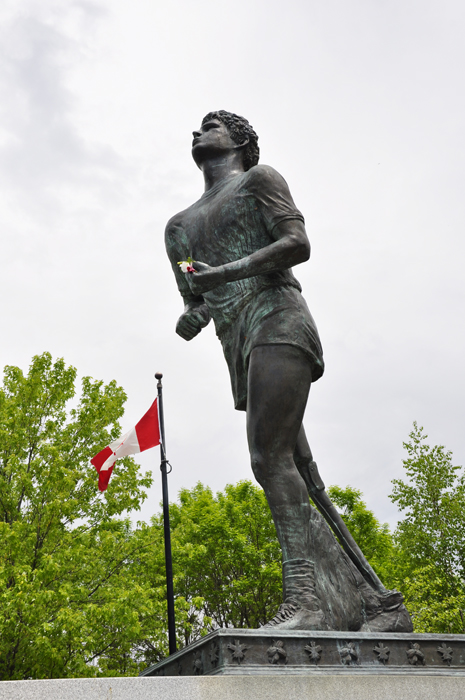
(217, 169)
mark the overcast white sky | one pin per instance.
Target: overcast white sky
(360, 105)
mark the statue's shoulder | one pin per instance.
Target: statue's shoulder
(175, 226)
(176, 221)
(174, 233)
(264, 177)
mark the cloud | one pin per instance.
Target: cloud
(359, 110)
(42, 149)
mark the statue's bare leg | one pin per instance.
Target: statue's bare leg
(279, 380)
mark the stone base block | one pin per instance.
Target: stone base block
(347, 686)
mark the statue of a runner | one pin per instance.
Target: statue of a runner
(242, 237)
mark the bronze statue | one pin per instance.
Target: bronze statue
(243, 236)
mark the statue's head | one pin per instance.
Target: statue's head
(239, 130)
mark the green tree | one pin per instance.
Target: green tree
(374, 539)
(227, 550)
(69, 599)
(226, 561)
(82, 593)
(431, 536)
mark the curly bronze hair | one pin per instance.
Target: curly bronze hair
(239, 130)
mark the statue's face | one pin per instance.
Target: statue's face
(211, 140)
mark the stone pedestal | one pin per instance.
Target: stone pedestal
(313, 654)
(260, 665)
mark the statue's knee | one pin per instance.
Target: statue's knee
(258, 463)
(302, 458)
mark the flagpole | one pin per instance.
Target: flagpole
(166, 521)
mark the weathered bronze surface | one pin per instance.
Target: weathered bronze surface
(314, 653)
(244, 235)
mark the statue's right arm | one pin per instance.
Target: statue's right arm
(196, 314)
(195, 317)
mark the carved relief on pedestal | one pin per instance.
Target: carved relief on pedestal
(314, 651)
(382, 653)
(277, 653)
(349, 654)
(415, 655)
(238, 651)
(446, 653)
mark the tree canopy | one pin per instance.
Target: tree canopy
(226, 563)
(425, 556)
(69, 602)
(430, 538)
(83, 592)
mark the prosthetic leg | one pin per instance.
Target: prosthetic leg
(388, 600)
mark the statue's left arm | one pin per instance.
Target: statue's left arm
(289, 244)
(291, 248)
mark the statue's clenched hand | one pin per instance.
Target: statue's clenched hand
(205, 278)
(191, 322)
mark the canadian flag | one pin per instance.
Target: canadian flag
(145, 435)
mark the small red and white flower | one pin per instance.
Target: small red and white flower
(186, 265)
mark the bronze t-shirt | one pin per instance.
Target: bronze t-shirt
(229, 222)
